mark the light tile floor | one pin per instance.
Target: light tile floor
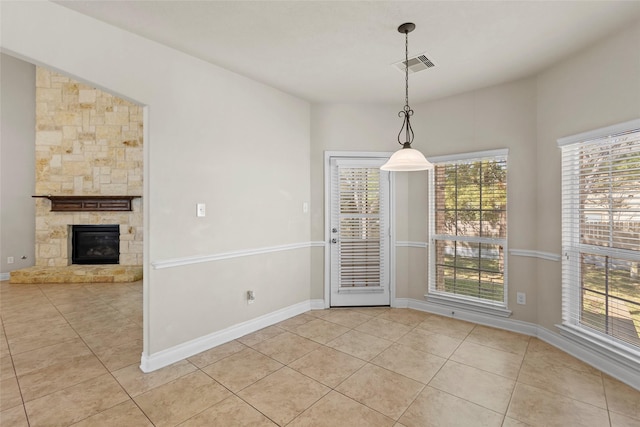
(70, 356)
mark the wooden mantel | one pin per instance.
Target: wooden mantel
(89, 203)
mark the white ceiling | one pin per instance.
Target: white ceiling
(343, 51)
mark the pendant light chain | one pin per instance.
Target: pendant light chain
(406, 70)
(406, 159)
(406, 111)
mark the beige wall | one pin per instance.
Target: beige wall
(354, 127)
(201, 150)
(597, 87)
(211, 136)
(17, 180)
(496, 117)
(88, 142)
(502, 116)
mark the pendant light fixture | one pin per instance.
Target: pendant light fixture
(406, 159)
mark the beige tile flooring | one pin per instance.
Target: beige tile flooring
(70, 356)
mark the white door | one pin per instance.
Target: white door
(359, 232)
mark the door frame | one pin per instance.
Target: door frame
(327, 220)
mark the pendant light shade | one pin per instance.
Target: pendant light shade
(406, 159)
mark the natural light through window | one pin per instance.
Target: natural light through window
(601, 236)
(468, 211)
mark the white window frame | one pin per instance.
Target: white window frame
(498, 308)
(571, 249)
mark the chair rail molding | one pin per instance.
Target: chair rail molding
(549, 256)
(177, 262)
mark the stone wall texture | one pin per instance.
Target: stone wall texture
(88, 142)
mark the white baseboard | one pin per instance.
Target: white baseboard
(603, 360)
(600, 360)
(317, 304)
(500, 322)
(401, 303)
(152, 362)
(5, 276)
(617, 368)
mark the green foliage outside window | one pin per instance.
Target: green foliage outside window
(471, 202)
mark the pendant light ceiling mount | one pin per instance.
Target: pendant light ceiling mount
(407, 27)
(407, 158)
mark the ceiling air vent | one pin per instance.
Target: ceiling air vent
(416, 63)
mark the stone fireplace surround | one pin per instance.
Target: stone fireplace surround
(88, 143)
(53, 234)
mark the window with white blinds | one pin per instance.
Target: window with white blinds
(468, 211)
(601, 235)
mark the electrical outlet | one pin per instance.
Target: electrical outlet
(10, 260)
(251, 297)
(521, 298)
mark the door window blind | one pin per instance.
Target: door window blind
(360, 228)
(601, 236)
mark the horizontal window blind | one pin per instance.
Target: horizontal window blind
(360, 232)
(468, 210)
(601, 236)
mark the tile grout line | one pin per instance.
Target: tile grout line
(24, 407)
(293, 331)
(24, 403)
(334, 389)
(352, 328)
(313, 379)
(86, 379)
(606, 398)
(435, 374)
(515, 383)
(96, 356)
(366, 362)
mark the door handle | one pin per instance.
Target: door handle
(334, 240)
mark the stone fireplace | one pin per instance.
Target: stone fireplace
(88, 143)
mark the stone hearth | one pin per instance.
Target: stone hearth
(78, 274)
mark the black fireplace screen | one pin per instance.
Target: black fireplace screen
(95, 244)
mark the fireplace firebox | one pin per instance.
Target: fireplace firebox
(95, 244)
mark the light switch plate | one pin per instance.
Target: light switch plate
(200, 209)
